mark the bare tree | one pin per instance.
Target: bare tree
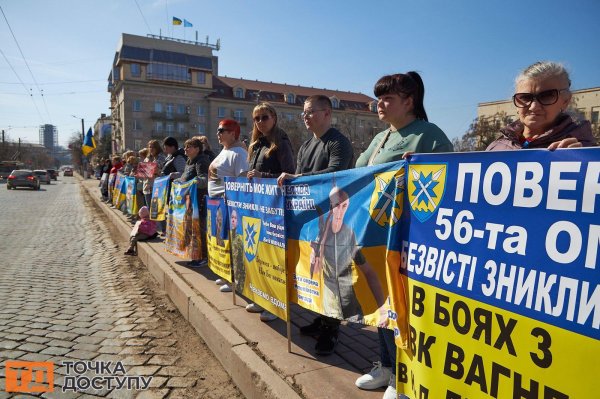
(482, 132)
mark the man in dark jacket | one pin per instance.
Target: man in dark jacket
(327, 151)
(175, 161)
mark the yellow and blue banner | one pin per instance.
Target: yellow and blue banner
(217, 237)
(257, 239)
(338, 226)
(131, 195)
(119, 191)
(88, 142)
(176, 21)
(499, 255)
(111, 186)
(158, 203)
(183, 236)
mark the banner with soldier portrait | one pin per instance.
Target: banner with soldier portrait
(217, 237)
(158, 203)
(183, 236)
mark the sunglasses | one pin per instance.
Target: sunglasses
(546, 97)
(262, 118)
(222, 130)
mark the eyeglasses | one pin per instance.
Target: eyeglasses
(309, 113)
(261, 118)
(222, 130)
(546, 97)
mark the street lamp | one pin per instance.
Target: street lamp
(82, 128)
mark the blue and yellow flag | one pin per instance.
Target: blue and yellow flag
(176, 21)
(88, 142)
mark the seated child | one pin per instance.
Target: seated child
(144, 229)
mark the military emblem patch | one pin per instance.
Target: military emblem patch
(426, 187)
(386, 201)
(251, 229)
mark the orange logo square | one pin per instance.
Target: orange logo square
(30, 377)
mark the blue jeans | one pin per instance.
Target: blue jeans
(387, 348)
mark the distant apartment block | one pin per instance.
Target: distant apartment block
(169, 87)
(585, 102)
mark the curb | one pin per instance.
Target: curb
(253, 376)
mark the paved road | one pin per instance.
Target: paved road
(68, 294)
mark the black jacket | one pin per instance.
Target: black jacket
(280, 161)
(169, 166)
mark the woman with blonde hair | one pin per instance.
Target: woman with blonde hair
(269, 154)
(270, 151)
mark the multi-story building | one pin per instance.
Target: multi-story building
(169, 87)
(585, 102)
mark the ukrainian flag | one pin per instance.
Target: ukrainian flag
(88, 143)
(177, 21)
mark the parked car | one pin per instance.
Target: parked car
(23, 178)
(68, 172)
(43, 175)
(53, 174)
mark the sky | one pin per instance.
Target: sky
(55, 56)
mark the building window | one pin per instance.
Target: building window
(170, 128)
(238, 93)
(158, 127)
(175, 73)
(137, 145)
(289, 116)
(290, 98)
(201, 76)
(137, 125)
(335, 103)
(361, 123)
(201, 110)
(136, 70)
(238, 114)
(137, 105)
(201, 128)
(221, 112)
(180, 109)
(170, 110)
(180, 127)
(595, 116)
(157, 107)
(373, 106)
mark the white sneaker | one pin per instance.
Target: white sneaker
(390, 392)
(378, 377)
(253, 308)
(220, 281)
(225, 288)
(267, 316)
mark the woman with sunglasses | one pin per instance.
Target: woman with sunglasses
(269, 154)
(542, 97)
(232, 161)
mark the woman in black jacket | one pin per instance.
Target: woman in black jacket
(269, 154)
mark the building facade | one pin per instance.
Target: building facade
(169, 87)
(585, 102)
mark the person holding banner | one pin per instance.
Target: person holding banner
(269, 154)
(542, 98)
(399, 103)
(328, 150)
(196, 167)
(156, 155)
(231, 161)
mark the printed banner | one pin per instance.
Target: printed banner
(257, 237)
(146, 170)
(131, 195)
(217, 236)
(120, 191)
(111, 187)
(158, 203)
(183, 237)
(500, 253)
(337, 228)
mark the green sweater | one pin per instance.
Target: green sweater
(418, 137)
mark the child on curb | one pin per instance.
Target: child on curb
(144, 229)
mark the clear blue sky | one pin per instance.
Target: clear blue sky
(466, 51)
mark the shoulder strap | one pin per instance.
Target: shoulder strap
(379, 147)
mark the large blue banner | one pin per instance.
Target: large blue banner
(499, 252)
(184, 238)
(158, 203)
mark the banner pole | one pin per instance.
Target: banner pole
(288, 293)
(233, 282)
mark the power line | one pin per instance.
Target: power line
(146, 22)
(27, 64)
(56, 83)
(28, 90)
